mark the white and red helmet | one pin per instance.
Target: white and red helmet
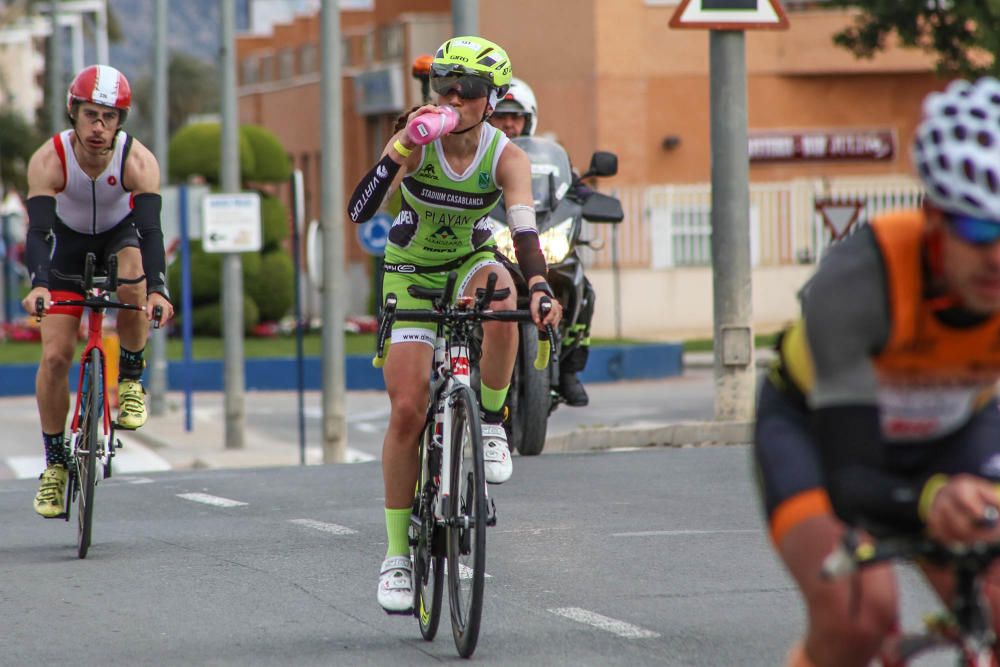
(520, 99)
(100, 84)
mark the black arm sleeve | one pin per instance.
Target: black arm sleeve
(529, 254)
(372, 190)
(37, 247)
(146, 213)
(861, 490)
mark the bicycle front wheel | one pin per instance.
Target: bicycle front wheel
(467, 517)
(85, 456)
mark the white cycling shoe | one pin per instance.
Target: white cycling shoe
(395, 585)
(496, 454)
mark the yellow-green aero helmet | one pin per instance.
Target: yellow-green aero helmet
(472, 66)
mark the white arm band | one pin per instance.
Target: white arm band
(521, 218)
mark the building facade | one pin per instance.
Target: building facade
(612, 75)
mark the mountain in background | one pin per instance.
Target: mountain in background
(192, 28)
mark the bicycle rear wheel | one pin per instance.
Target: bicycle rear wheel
(428, 563)
(467, 517)
(85, 456)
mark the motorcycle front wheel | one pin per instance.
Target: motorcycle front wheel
(531, 399)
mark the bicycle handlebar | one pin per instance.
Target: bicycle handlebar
(390, 314)
(851, 554)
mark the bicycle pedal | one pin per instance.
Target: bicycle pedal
(491, 517)
(123, 428)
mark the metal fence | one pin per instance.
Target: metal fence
(669, 226)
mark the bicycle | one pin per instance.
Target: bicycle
(91, 410)
(450, 508)
(965, 626)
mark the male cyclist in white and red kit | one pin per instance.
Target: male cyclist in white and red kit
(91, 188)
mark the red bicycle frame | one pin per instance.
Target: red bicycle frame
(95, 331)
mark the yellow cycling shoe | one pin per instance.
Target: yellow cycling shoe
(50, 499)
(131, 404)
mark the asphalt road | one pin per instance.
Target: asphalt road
(646, 557)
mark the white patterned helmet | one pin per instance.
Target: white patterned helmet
(956, 149)
(520, 99)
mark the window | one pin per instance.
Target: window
(286, 64)
(308, 62)
(248, 71)
(266, 69)
(390, 41)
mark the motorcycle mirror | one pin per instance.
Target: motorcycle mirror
(602, 163)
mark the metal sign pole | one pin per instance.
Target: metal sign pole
(734, 370)
(297, 216)
(232, 262)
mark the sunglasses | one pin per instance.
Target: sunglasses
(468, 86)
(975, 231)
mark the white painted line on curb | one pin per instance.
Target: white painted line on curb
(210, 500)
(620, 628)
(668, 533)
(325, 527)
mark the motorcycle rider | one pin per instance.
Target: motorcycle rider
(516, 115)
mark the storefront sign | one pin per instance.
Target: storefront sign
(771, 146)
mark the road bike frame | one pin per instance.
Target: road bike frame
(967, 627)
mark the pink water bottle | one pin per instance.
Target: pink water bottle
(428, 126)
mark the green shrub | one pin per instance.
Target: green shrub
(206, 274)
(194, 150)
(274, 292)
(271, 164)
(274, 222)
(206, 320)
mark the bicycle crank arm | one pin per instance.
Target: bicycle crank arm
(491, 518)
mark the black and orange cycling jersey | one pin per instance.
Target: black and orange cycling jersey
(877, 385)
(926, 373)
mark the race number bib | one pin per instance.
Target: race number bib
(924, 413)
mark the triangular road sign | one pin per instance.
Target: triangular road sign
(730, 15)
(839, 215)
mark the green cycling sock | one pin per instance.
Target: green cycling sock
(397, 529)
(493, 398)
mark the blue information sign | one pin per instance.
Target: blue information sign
(372, 235)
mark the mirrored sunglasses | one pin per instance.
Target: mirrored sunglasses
(467, 86)
(977, 231)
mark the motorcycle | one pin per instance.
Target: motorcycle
(559, 214)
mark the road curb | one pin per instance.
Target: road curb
(677, 434)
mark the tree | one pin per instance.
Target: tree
(18, 140)
(964, 34)
(192, 88)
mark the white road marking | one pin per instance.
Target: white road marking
(668, 533)
(210, 500)
(620, 628)
(314, 456)
(465, 572)
(325, 527)
(133, 457)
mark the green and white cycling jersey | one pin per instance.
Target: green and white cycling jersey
(443, 214)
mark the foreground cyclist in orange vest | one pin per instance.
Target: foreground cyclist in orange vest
(882, 409)
(91, 188)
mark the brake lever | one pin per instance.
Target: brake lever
(157, 316)
(39, 308)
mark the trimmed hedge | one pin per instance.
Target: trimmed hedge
(206, 274)
(194, 151)
(273, 221)
(274, 291)
(206, 320)
(271, 163)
